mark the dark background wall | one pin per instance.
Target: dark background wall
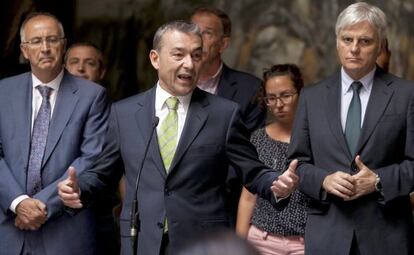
(264, 33)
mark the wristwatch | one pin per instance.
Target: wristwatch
(378, 184)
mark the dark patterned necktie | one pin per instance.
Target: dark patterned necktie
(38, 143)
(353, 119)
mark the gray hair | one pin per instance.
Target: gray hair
(38, 14)
(362, 11)
(177, 25)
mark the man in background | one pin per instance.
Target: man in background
(219, 79)
(85, 60)
(49, 120)
(383, 60)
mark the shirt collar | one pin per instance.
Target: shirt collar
(161, 95)
(211, 81)
(218, 72)
(54, 84)
(366, 81)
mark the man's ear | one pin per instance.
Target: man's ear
(23, 50)
(65, 43)
(155, 58)
(102, 73)
(225, 42)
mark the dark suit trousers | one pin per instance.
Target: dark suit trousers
(164, 245)
(33, 244)
(354, 247)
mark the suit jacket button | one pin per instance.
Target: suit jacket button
(160, 225)
(354, 167)
(167, 191)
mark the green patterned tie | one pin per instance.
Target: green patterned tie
(167, 137)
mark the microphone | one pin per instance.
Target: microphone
(135, 221)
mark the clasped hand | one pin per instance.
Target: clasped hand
(350, 187)
(31, 214)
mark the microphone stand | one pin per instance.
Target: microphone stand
(135, 221)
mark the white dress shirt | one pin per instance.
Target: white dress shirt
(37, 97)
(36, 103)
(346, 94)
(161, 109)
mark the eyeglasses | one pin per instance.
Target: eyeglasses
(284, 98)
(38, 41)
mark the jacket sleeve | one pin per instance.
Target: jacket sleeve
(93, 137)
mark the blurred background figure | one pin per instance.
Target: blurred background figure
(270, 230)
(84, 59)
(220, 243)
(219, 79)
(383, 60)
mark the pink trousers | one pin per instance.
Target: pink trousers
(269, 244)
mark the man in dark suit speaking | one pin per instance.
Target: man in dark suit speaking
(354, 138)
(182, 183)
(49, 120)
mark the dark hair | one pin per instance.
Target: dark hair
(218, 243)
(225, 20)
(383, 59)
(280, 70)
(177, 25)
(87, 44)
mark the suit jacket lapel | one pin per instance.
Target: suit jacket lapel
(22, 111)
(66, 101)
(227, 86)
(333, 110)
(144, 117)
(195, 120)
(380, 97)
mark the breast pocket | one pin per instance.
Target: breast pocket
(204, 150)
(391, 118)
(212, 224)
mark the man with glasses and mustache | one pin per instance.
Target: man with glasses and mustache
(49, 120)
